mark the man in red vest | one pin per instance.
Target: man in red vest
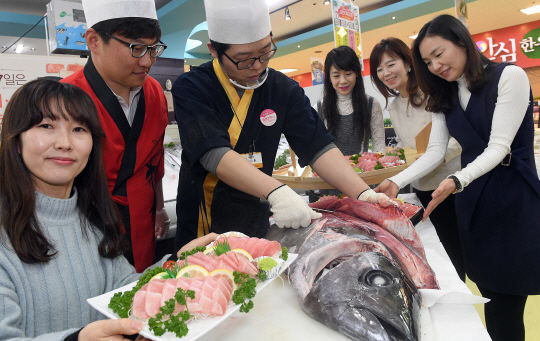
(124, 40)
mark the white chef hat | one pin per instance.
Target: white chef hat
(100, 10)
(237, 21)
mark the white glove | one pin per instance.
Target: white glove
(289, 209)
(162, 223)
(370, 195)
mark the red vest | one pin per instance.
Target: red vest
(149, 164)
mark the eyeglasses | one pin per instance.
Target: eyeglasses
(247, 63)
(139, 50)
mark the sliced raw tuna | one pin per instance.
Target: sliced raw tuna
(221, 302)
(389, 159)
(212, 295)
(367, 165)
(229, 261)
(139, 303)
(239, 263)
(153, 296)
(225, 286)
(254, 246)
(169, 289)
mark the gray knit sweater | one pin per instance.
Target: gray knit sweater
(47, 301)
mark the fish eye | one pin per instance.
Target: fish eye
(378, 278)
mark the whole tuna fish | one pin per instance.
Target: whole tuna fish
(414, 265)
(350, 282)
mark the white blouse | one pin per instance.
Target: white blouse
(512, 102)
(408, 122)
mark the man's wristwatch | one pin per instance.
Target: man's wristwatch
(459, 188)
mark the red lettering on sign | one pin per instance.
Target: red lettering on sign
(55, 68)
(345, 13)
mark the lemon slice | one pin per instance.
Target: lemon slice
(161, 275)
(192, 271)
(243, 253)
(398, 199)
(210, 251)
(224, 273)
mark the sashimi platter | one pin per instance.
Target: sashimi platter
(187, 298)
(373, 168)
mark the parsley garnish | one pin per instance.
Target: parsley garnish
(246, 291)
(378, 166)
(184, 254)
(121, 302)
(401, 154)
(355, 157)
(165, 320)
(262, 276)
(284, 253)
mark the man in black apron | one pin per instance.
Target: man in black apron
(231, 113)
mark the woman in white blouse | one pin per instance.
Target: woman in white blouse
(392, 73)
(350, 115)
(487, 108)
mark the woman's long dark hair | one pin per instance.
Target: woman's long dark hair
(344, 58)
(397, 49)
(440, 94)
(29, 105)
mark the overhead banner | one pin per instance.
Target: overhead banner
(346, 22)
(461, 12)
(317, 70)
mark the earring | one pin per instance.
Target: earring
(409, 69)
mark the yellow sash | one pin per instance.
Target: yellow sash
(240, 106)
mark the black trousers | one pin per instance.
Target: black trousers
(444, 219)
(504, 315)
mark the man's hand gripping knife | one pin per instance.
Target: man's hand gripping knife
(370, 195)
(289, 209)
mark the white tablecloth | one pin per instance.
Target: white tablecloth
(277, 314)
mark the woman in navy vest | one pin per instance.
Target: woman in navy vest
(487, 107)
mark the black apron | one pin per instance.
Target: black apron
(498, 213)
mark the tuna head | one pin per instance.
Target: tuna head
(365, 298)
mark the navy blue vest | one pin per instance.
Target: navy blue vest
(498, 213)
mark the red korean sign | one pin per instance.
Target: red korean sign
(518, 44)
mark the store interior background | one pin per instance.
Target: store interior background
(307, 34)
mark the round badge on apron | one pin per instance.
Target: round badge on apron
(268, 117)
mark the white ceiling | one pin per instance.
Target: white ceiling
(484, 16)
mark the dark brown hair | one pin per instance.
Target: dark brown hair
(397, 49)
(29, 105)
(131, 27)
(344, 58)
(440, 94)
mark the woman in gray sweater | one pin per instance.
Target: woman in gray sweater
(351, 116)
(61, 238)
